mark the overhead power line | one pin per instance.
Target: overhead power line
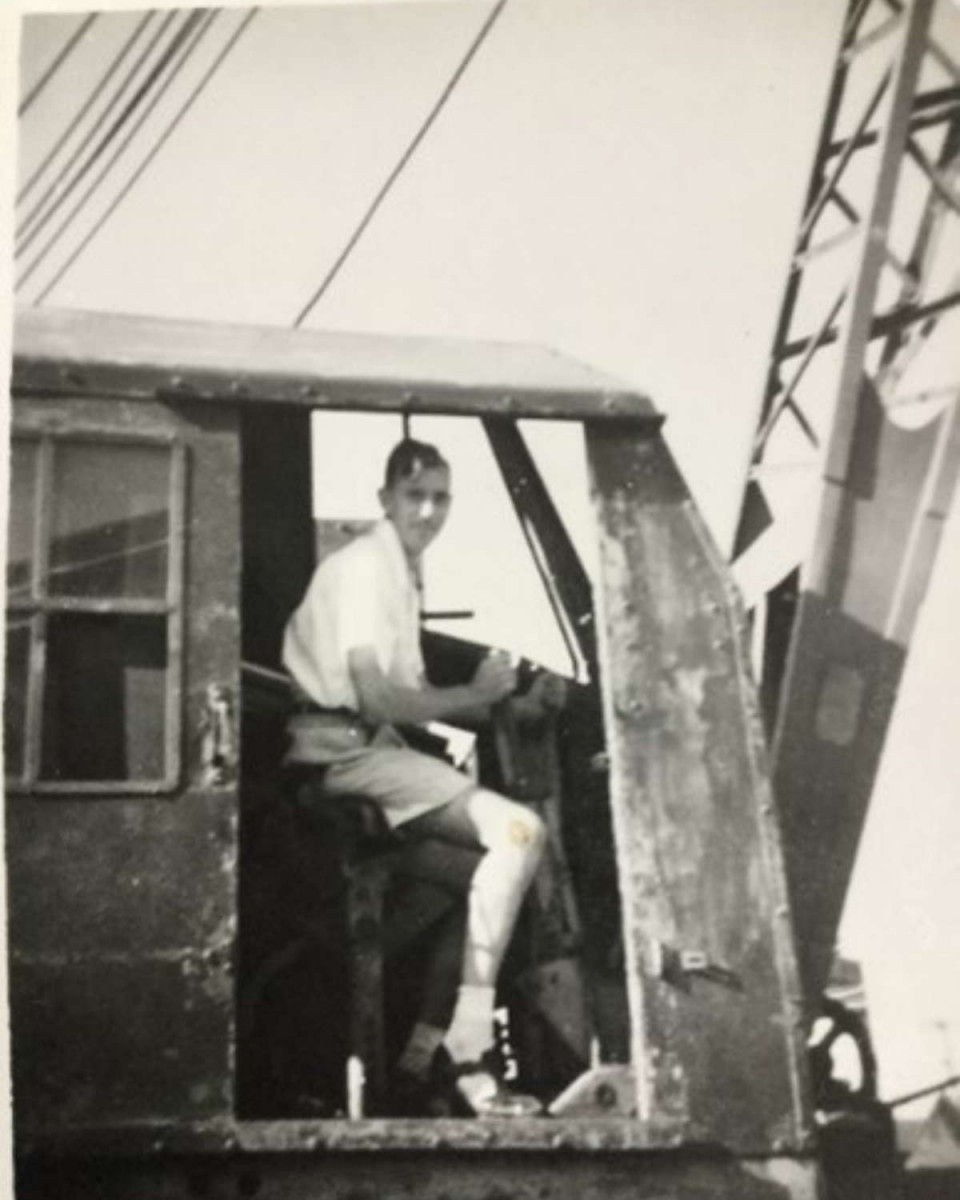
(101, 84)
(399, 168)
(186, 50)
(71, 44)
(60, 182)
(156, 72)
(158, 146)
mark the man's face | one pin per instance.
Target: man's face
(418, 506)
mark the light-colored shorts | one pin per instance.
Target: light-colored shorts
(403, 782)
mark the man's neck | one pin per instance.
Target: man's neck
(415, 569)
(413, 561)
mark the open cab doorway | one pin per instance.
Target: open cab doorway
(562, 1003)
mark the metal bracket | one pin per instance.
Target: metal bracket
(678, 967)
(219, 754)
(605, 1090)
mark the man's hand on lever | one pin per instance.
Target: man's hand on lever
(495, 678)
(547, 694)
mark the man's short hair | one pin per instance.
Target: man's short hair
(410, 457)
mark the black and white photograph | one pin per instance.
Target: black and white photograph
(482, 542)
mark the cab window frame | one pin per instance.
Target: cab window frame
(39, 605)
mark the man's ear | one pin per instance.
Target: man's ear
(382, 497)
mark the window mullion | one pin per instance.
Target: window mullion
(175, 565)
(122, 606)
(37, 668)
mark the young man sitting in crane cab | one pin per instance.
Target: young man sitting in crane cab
(353, 650)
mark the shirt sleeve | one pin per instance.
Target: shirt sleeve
(359, 606)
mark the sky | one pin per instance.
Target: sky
(618, 180)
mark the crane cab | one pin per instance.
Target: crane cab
(161, 531)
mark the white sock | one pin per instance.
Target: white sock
(471, 1030)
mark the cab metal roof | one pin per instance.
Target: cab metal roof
(60, 351)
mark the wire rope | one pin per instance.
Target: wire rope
(71, 44)
(187, 50)
(131, 182)
(65, 190)
(405, 158)
(96, 127)
(71, 128)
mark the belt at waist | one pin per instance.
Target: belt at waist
(333, 718)
(308, 706)
(319, 735)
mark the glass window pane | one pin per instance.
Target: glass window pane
(111, 520)
(23, 475)
(104, 712)
(15, 699)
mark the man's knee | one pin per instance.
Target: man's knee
(527, 831)
(505, 824)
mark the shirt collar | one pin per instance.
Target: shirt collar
(386, 533)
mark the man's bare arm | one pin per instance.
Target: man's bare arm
(384, 702)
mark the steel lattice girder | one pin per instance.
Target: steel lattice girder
(885, 489)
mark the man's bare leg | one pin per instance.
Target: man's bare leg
(513, 838)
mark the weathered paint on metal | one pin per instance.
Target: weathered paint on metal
(834, 655)
(366, 1136)
(90, 353)
(122, 909)
(850, 641)
(718, 1067)
(117, 877)
(699, 858)
(102, 1038)
(442, 1175)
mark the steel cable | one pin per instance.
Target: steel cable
(186, 50)
(64, 191)
(405, 158)
(96, 127)
(158, 146)
(71, 44)
(101, 84)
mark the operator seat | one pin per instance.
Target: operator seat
(355, 898)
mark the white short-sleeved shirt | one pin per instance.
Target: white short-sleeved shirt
(363, 595)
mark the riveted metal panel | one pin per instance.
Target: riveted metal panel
(122, 907)
(121, 899)
(82, 353)
(101, 1038)
(582, 1175)
(850, 641)
(716, 1036)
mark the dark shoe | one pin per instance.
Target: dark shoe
(410, 1096)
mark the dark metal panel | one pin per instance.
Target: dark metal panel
(717, 1041)
(137, 1037)
(849, 648)
(885, 491)
(90, 876)
(123, 907)
(438, 1176)
(86, 353)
